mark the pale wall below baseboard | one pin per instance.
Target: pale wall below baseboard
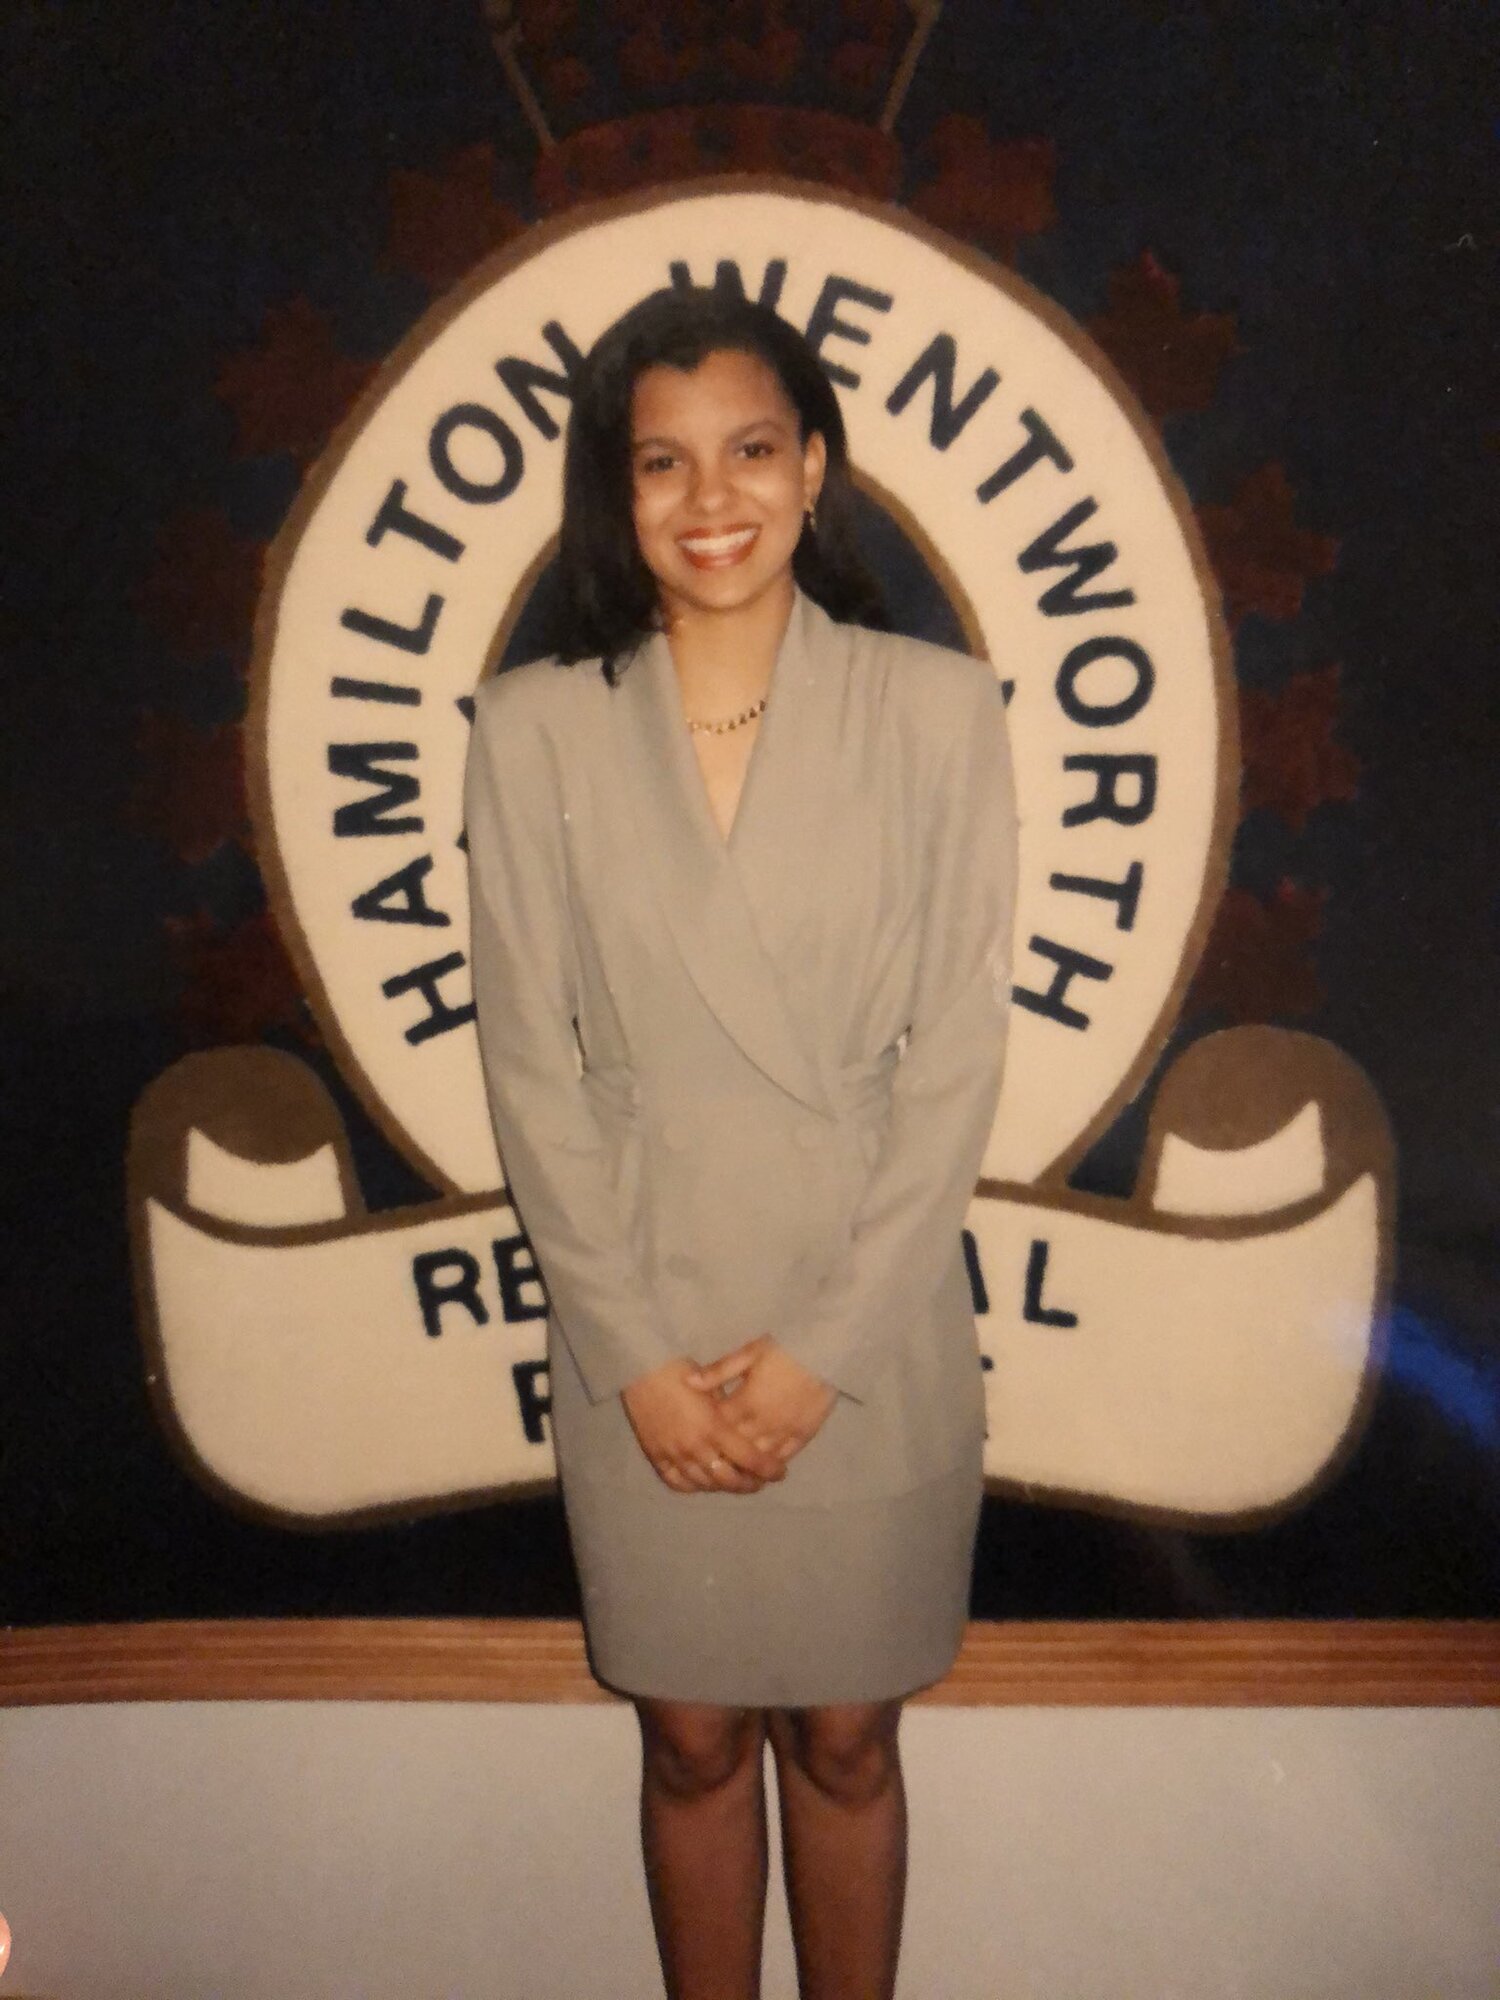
(479, 1851)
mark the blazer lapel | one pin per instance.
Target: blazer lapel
(694, 873)
(786, 824)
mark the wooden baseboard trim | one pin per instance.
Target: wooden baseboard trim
(1109, 1663)
(1229, 1663)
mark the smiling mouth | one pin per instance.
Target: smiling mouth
(717, 551)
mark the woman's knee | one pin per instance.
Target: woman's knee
(850, 1753)
(692, 1750)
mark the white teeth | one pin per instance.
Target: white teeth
(719, 545)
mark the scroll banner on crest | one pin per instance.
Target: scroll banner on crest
(1199, 1351)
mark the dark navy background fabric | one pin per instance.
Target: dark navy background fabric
(1321, 173)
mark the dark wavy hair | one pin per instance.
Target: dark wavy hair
(607, 599)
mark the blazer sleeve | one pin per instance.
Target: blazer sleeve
(947, 1083)
(557, 1165)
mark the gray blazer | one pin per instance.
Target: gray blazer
(745, 1086)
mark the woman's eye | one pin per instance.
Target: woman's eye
(659, 461)
(757, 448)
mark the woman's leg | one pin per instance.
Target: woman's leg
(843, 1824)
(703, 1832)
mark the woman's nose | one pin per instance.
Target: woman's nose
(710, 484)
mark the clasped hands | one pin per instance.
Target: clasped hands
(730, 1427)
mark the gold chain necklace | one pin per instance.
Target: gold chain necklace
(732, 722)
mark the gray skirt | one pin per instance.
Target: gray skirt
(711, 1598)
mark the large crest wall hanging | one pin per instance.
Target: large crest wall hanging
(1200, 1350)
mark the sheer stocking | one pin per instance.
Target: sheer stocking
(703, 1832)
(843, 1816)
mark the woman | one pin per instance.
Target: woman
(742, 881)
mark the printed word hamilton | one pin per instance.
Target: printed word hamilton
(1101, 683)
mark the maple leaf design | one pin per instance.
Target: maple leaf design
(442, 224)
(1170, 358)
(993, 192)
(289, 393)
(191, 792)
(1292, 762)
(238, 984)
(1257, 964)
(200, 594)
(1262, 559)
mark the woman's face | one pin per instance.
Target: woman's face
(720, 480)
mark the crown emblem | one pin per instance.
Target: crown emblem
(757, 86)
